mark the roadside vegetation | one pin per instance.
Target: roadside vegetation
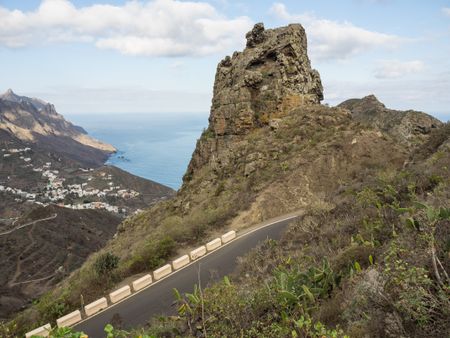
(375, 265)
(371, 230)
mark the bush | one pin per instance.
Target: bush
(106, 263)
(154, 254)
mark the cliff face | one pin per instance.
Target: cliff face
(35, 121)
(270, 77)
(256, 87)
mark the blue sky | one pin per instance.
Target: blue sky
(111, 56)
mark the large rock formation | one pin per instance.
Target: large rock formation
(270, 77)
(409, 127)
(255, 87)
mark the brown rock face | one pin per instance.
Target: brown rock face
(408, 127)
(256, 87)
(271, 76)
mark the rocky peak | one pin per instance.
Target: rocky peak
(256, 35)
(270, 77)
(367, 104)
(9, 95)
(408, 127)
(255, 88)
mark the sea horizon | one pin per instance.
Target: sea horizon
(156, 146)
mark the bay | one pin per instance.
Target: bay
(154, 146)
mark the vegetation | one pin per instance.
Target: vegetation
(374, 265)
(377, 268)
(369, 257)
(106, 263)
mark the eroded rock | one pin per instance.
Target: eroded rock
(269, 78)
(255, 88)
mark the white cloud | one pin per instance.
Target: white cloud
(150, 28)
(446, 11)
(335, 40)
(392, 69)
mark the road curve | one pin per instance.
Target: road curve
(158, 298)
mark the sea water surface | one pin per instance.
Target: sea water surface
(154, 146)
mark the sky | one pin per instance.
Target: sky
(160, 56)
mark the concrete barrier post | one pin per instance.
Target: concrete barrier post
(214, 244)
(162, 271)
(180, 262)
(230, 235)
(197, 253)
(142, 282)
(69, 319)
(42, 331)
(120, 294)
(96, 306)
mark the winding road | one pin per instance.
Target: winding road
(27, 224)
(158, 298)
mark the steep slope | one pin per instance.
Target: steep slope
(270, 148)
(52, 242)
(374, 265)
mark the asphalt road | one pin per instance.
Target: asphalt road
(158, 299)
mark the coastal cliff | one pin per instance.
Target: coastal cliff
(36, 121)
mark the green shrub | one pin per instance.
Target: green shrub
(154, 254)
(66, 332)
(106, 263)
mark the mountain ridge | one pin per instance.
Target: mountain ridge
(407, 126)
(34, 120)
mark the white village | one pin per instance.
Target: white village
(55, 192)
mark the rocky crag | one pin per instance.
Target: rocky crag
(257, 87)
(408, 127)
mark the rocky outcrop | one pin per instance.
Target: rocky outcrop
(271, 76)
(408, 127)
(256, 87)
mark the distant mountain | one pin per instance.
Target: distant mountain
(9, 95)
(35, 121)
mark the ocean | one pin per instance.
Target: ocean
(154, 146)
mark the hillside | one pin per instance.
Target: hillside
(356, 170)
(53, 242)
(49, 167)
